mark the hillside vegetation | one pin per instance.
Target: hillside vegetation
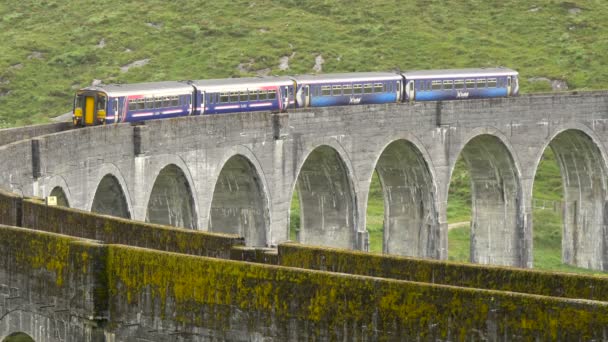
(51, 47)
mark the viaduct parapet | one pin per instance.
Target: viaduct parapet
(237, 173)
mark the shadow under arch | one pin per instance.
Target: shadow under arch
(327, 200)
(62, 198)
(239, 204)
(410, 217)
(171, 200)
(110, 199)
(584, 173)
(18, 337)
(497, 235)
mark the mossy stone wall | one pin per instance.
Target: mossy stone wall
(108, 229)
(206, 297)
(10, 208)
(443, 272)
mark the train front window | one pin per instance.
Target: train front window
(101, 103)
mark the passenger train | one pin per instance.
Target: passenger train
(108, 104)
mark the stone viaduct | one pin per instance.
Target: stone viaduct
(237, 173)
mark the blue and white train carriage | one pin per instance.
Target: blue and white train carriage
(248, 94)
(453, 84)
(132, 102)
(145, 101)
(347, 89)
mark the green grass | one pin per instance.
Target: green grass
(49, 48)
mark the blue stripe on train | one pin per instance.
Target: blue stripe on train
(328, 101)
(439, 95)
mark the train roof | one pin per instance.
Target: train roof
(244, 82)
(346, 77)
(157, 88)
(453, 73)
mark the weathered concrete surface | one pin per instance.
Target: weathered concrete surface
(59, 288)
(238, 172)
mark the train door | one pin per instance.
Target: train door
(509, 86)
(89, 109)
(410, 91)
(306, 92)
(204, 100)
(285, 97)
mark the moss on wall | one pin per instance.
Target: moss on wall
(442, 272)
(88, 225)
(219, 294)
(33, 252)
(10, 206)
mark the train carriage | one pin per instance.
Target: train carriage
(115, 103)
(347, 89)
(244, 94)
(453, 84)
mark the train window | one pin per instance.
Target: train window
(436, 85)
(149, 103)
(253, 95)
(224, 97)
(325, 90)
(491, 83)
(175, 101)
(140, 104)
(263, 95)
(459, 84)
(367, 88)
(272, 94)
(131, 105)
(158, 102)
(481, 83)
(470, 84)
(357, 89)
(447, 85)
(336, 90)
(378, 88)
(101, 103)
(243, 96)
(115, 106)
(348, 89)
(234, 96)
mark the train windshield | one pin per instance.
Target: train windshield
(89, 108)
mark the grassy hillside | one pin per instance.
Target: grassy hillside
(50, 48)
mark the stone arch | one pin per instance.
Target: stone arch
(58, 188)
(18, 337)
(171, 200)
(497, 224)
(110, 198)
(240, 202)
(326, 192)
(582, 164)
(62, 198)
(411, 224)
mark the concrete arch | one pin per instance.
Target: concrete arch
(61, 197)
(411, 222)
(327, 195)
(109, 198)
(240, 203)
(18, 337)
(171, 200)
(93, 183)
(582, 161)
(58, 187)
(497, 223)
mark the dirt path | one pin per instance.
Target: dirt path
(458, 224)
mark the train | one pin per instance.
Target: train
(115, 103)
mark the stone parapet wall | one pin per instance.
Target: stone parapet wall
(511, 279)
